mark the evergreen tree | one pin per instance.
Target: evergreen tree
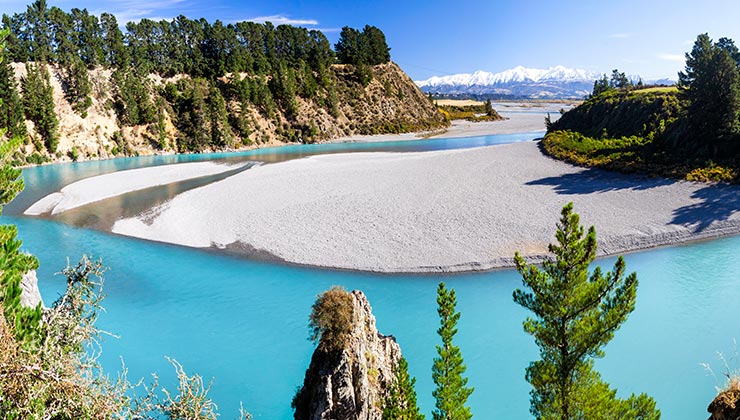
(11, 108)
(451, 393)
(377, 50)
(221, 133)
(620, 80)
(79, 87)
(38, 104)
(401, 401)
(488, 107)
(575, 315)
(711, 85)
(115, 53)
(348, 47)
(38, 33)
(14, 263)
(601, 85)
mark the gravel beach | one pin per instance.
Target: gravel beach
(446, 211)
(98, 188)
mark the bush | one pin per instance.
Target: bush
(330, 322)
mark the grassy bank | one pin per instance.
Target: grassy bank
(636, 131)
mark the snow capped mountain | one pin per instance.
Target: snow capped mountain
(558, 81)
(516, 75)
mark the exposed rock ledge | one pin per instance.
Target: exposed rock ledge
(351, 384)
(726, 406)
(30, 295)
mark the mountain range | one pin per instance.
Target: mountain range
(520, 82)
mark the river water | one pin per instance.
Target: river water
(244, 323)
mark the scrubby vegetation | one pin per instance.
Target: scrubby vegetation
(690, 132)
(330, 321)
(472, 113)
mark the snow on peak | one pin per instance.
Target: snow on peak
(518, 74)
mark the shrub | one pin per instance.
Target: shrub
(330, 322)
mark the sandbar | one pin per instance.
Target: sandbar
(442, 211)
(97, 188)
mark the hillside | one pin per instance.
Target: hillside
(390, 103)
(638, 130)
(81, 86)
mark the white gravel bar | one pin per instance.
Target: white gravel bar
(447, 211)
(90, 190)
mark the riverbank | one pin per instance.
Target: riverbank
(520, 117)
(97, 188)
(449, 211)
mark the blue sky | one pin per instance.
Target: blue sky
(647, 37)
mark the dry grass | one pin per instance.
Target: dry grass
(457, 102)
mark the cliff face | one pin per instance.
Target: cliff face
(389, 103)
(350, 384)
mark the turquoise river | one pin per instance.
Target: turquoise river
(244, 323)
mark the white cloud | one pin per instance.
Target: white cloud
(620, 35)
(671, 57)
(282, 20)
(135, 10)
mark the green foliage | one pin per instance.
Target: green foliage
(78, 87)
(640, 130)
(38, 104)
(637, 154)
(576, 313)
(711, 86)
(11, 107)
(330, 322)
(624, 113)
(368, 47)
(451, 392)
(132, 98)
(468, 112)
(400, 403)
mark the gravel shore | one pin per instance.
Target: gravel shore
(447, 211)
(98, 188)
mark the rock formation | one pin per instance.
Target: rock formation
(726, 405)
(351, 383)
(30, 295)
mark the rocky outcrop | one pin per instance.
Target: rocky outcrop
(350, 384)
(726, 405)
(30, 295)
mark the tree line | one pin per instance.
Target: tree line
(230, 67)
(709, 94)
(181, 45)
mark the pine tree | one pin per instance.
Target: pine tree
(711, 85)
(79, 87)
(575, 315)
(11, 108)
(401, 401)
(601, 85)
(38, 104)
(451, 393)
(14, 263)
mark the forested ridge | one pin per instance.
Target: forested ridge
(77, 85)
(689, 131)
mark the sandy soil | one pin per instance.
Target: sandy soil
(432, 212)
(98, 188)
